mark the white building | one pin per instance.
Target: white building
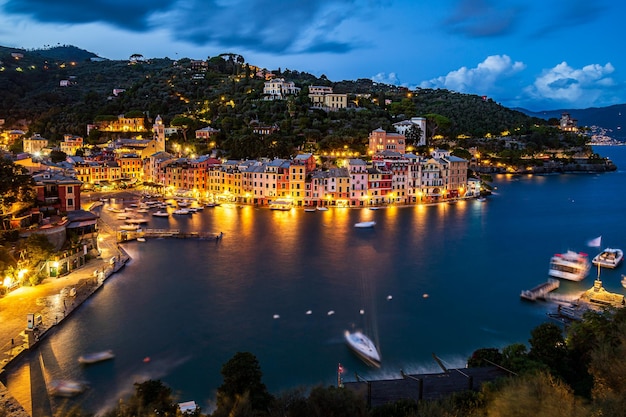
(279, 89)
(404, 126)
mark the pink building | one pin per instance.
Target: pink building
(380, 140)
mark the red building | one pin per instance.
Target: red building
(57, 193)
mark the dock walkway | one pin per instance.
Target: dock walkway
(127, 235)
(541, 290)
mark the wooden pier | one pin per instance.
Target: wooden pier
(128, 235)
(540, 290)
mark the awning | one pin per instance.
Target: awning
(84, 223)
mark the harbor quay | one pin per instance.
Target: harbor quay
(29, 314)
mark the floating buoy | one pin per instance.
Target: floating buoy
(146, 359)
(331, 312)
(389, 297)
(276, 316)
(362, 311)
(425, 295)
(309, 312)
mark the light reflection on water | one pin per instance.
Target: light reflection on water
(190, 305)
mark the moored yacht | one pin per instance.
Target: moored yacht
(363, 347)
(573, 266)
(609, 258)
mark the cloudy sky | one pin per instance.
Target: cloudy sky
(540, 55)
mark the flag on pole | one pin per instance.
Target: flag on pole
(595, 243)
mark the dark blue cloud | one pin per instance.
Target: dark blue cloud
(287, 26)
(562, 83)
(479, 19)
(125, 14)
(567, 14)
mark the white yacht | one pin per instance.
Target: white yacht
(609, 258)
(363, 347)
(573, 266)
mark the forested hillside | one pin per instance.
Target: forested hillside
(226, 94)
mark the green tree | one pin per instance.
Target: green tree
(242, 385)
(484, 357)
(57, 156)
(37, 248)
(336, 402)
(436, 124)
(151, 398)
(547, 346)
(182, 122)
(414, 135)
(538, 395)
(17, 189)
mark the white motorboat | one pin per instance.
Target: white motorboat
(310, 210)
(89, 358)
(322, 208)
(161, 214)
(573, 266)
(182, 211)
(66, 388)
(141, 239)
(609, 258)
(365, 224)
(363, 347)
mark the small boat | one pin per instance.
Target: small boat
(322, 208)
(481, 199)
(89, 358)
(365, 224)
(624, 281)
(141, 239)
(161, 214)
(374, 208)
(609, 258)
(129, 227)
(182, 211)
(573, 266)
(363, 347)
(310, 210)
(66, 388)
(137, 220)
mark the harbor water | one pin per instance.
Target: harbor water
(285, 285)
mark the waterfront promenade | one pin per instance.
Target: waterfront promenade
(50, 302)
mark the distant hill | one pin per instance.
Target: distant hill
(612, 118)
(65, 53)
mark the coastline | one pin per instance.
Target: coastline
(51, 303)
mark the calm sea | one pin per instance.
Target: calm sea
(439, 279)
